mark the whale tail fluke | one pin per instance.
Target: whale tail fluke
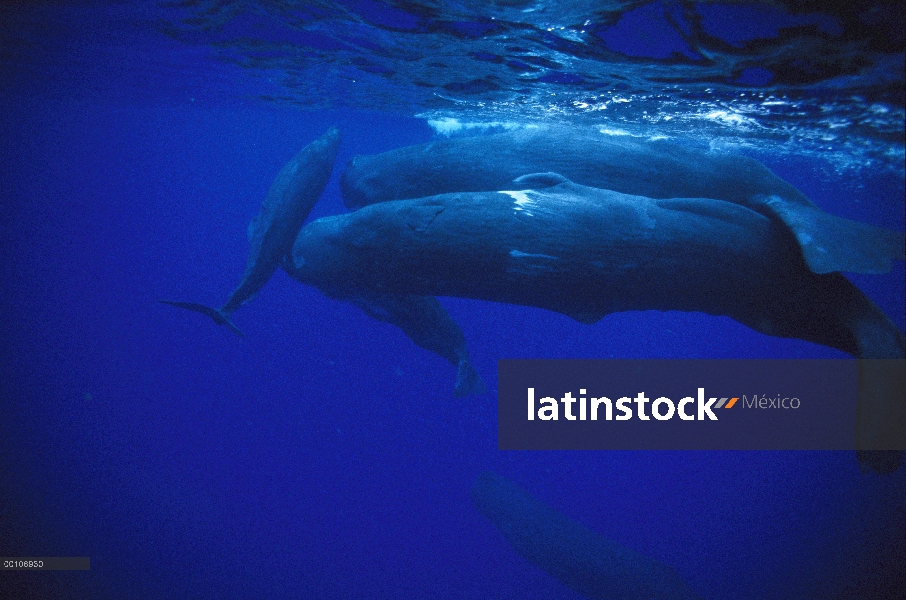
(881, 414)
(846, 319)
(468, 381)
(881, 405)
(219, 317)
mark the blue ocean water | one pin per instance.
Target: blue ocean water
(325, 456)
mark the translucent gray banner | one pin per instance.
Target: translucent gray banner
(702, 404)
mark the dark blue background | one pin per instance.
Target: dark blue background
(325, 456)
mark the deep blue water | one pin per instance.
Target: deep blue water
(324, 456)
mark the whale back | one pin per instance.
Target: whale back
(653, 168)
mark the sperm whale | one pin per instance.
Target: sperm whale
(653, 168)
(587, 252)
(292, 195)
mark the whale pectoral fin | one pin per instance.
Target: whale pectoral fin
(253, 226)
(540, 180)
(830, 243)
(425, 321)
(468, 381)
(217, 316)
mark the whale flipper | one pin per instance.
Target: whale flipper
(218, 317)
(468, 381)
(581, 559)
(830, 243)
(428, 324)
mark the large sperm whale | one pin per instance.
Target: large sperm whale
(290, 199)
(654, 168)
(587, 252)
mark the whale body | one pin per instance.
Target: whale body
(653, 168)
(578, 557)
(587, 252)
(293, 194)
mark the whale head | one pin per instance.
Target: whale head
(317, 251)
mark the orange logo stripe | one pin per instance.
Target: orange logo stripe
(731, 402)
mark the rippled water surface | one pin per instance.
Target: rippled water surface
(789, 77)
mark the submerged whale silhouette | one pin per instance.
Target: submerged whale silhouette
(426, 322)
(579, 558)
(291, 197)
(654, 168)
(587, 252)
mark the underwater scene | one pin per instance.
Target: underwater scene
(260, 260)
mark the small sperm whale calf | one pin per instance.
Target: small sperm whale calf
(653, 168)
(271, 234)
(587, 252)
